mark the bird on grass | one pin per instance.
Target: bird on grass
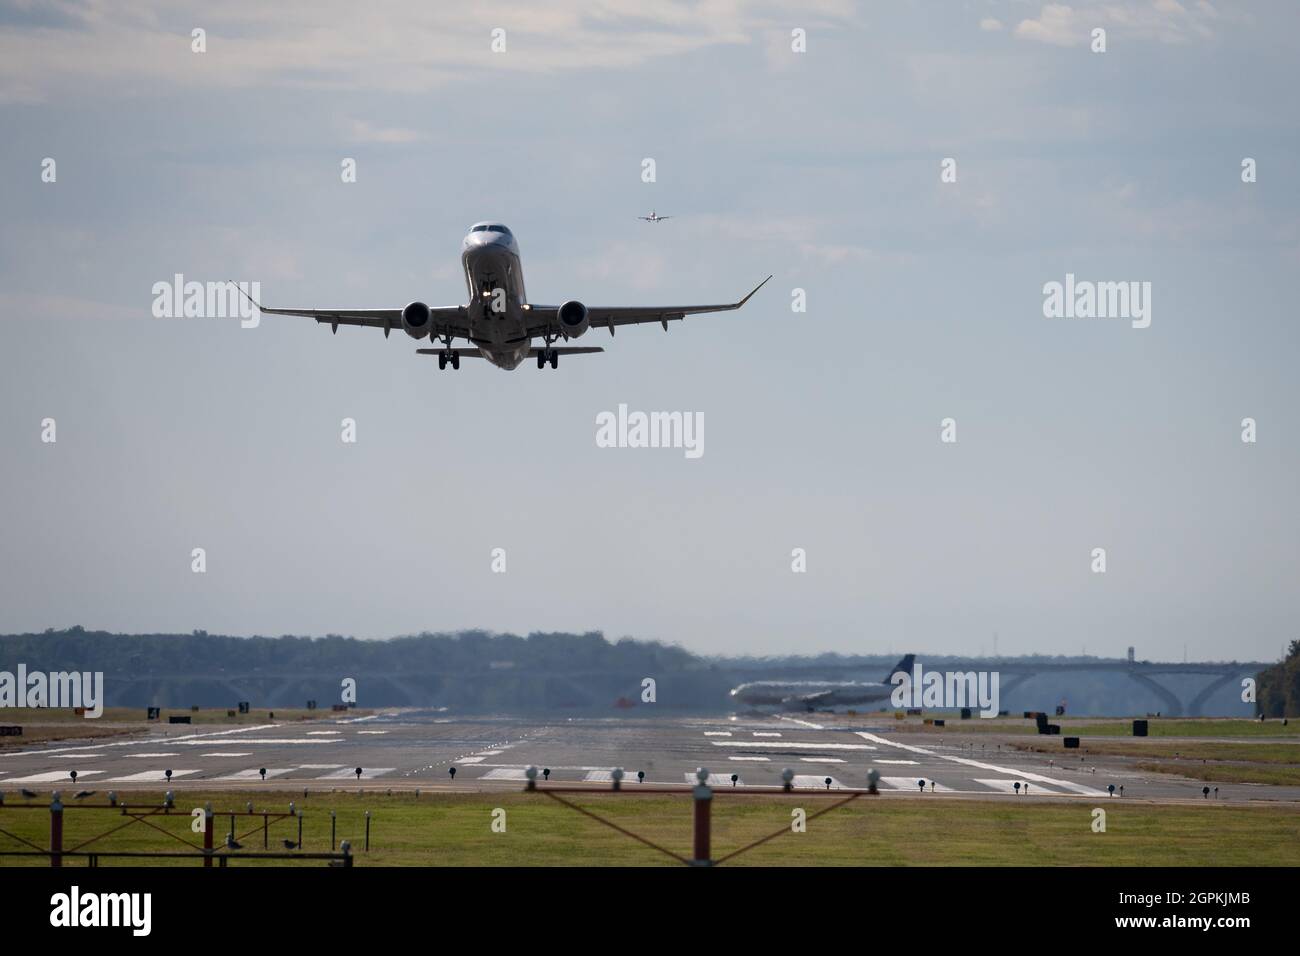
(29, 794)
(289, 844)
(83, 794)
(231, 844)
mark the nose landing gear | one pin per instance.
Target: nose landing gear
(448, 357)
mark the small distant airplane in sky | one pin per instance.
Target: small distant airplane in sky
(653, 217)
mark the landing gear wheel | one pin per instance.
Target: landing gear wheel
(442, 360)
(455, 360)
(555, 358)
(541, 358)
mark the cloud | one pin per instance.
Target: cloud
(990, 25)
(359, 131)
(406, 46)
(1166, 21)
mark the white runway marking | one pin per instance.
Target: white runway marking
(137, 756)
(821, 760)
(910, 783)
(803, 723)
(505, 773)
(190, 738)
(787, 746)
(319, 766)
(86, 756)
(761, 759)
(1009, 786)
(716, 780)
(1023, 774)
(471, 760)
(52, 776)
(606, 776)
(145, 775)
(243, 754)
(349, 773)
(372, 731)
(814, 782)
(257, 740)
(254, 773)
(322, 733)
(766, 733)
(896, 761)
(717, 733)
(489, 753)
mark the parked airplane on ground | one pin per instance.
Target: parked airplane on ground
(818, 695)
(499, 320)
(653, 217)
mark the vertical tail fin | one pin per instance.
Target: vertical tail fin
(904, 665)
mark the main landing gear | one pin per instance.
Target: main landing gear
(548, 354)
(448, 357)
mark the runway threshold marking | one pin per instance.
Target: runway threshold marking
(505, 773)
(814, 782)
(910, 783)
(347, 773)
(52, 776)
(147, 775)
(966, 761)
(716, 780)
(255, 773)
(1009, 786)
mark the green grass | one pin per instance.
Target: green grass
(455, 830)
(1109, 727)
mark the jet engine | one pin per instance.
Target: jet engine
(573, 318)
(415, 320)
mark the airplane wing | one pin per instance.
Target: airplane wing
(542, 318)
(449, 319)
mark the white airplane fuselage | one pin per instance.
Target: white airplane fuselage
(497, 301)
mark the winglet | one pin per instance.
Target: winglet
(258, 305)
(751, 294)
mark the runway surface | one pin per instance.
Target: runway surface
(410, 749)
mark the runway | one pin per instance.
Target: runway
(417, 749)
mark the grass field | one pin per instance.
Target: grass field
(1108, 727)
(47, 724)
(1215, 761)
(456, 830)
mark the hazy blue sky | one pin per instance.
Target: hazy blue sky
(822, 429)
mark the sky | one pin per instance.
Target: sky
(823, 428)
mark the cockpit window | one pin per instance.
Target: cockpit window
(497, 227)
(478, 228)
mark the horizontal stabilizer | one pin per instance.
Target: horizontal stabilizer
(532, 353)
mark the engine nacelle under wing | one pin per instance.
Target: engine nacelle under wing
(573, 318)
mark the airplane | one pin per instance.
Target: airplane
(818, 695)
(653, 217)
(499, 321)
